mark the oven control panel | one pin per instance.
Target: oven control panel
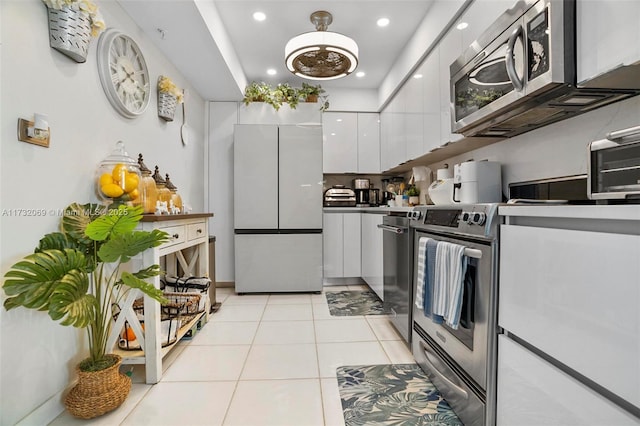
(472, 219)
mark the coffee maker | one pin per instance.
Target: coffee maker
(361, 188)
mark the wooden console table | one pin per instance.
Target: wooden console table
(187, 249)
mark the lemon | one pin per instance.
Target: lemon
(134, 194)
(105, 179)
(119, 172)
(112, 190)
(130, 182)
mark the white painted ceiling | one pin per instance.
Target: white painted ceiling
(220, 48)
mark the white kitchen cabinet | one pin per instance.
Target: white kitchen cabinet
(608, 36)
(413, 116)
(341, 245)
(450, 48)
(385, 140)
(372, 252)
(351, 142)
(480, 15)
(533, 391)
(569, 295)
(431, 100)
(340, 142)
(369, 142)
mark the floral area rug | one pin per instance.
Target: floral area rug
(396, 394)
(351, 303)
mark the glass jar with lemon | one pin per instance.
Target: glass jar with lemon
(118, 179)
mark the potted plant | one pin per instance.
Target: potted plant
(72, 23)
(256, 92)
(287, 94)
(310, 92)
(414, 195)
(76, 276)
(169, 96)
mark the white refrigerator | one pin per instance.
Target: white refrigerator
(278, 208)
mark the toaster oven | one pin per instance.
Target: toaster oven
(614, 166)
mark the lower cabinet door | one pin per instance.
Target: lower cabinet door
(532, 391)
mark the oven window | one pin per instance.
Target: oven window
(464, 333)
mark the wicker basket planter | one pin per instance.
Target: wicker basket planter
(167, 105)
(70, 32)
(98, 392)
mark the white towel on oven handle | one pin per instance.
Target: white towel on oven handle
(448, 289)
(420, 279)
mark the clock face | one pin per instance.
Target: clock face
(123, 73)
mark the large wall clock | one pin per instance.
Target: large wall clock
(123, 73)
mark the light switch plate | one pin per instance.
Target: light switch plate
(23, 125)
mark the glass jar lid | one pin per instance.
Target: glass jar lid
(158, 177)
(120, 156)
(170, 184)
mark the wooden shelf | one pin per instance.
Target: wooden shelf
(137, 356)
(150, 217)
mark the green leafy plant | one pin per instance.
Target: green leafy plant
(412, 191)
(75, 274)
(283, 93)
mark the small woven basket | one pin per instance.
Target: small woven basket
(167, 105)
(70, 32)
(98, 392)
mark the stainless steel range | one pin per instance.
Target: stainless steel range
(460, 361)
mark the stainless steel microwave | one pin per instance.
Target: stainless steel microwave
(521, 73)
(613, 170)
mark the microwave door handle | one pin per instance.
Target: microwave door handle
(510, 60)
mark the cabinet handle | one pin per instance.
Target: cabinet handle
(199, 231)
(176, 236)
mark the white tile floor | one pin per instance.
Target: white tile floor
(260, 360)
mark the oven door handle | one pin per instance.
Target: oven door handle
(394, 229)
(438, 373)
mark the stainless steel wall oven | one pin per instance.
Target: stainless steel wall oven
(461, 362)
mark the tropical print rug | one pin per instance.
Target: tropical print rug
(356, 302)
(396, 394)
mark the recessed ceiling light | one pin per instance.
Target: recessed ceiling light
(462, 25)
(383, 22)
(259, 16)
(272, 71)
(417, 76)
(339, 120)
(360, 74)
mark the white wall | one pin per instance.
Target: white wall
(556, 150)
(38, 356)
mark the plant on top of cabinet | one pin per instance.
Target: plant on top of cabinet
(75, 275)
(72, 23)
(283, 93)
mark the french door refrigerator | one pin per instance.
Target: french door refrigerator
(278, 208)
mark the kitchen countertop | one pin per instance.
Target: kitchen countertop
(380, 210)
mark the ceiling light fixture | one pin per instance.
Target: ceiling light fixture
(321, 54)
(259, 16)
(272, 71)
(462, 25)
(360, 74)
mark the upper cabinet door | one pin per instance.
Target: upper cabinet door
(608, 36)
(340, 134)
(255, 177)
(368, 142)
(300, 175)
